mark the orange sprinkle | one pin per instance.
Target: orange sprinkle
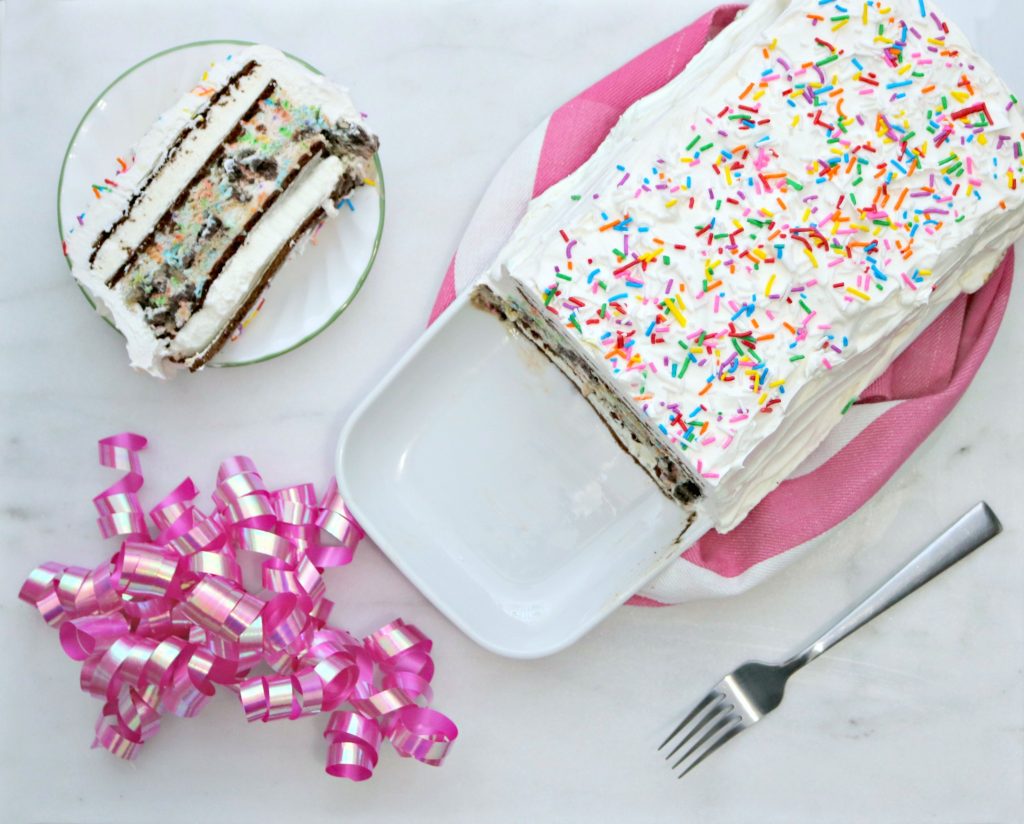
(899, 201)
(714, 285)
(705, 390)
(609, 225)
(927, 89)
(747, 91)
(764, 337)
(790, 328)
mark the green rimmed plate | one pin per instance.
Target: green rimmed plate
(311, 290)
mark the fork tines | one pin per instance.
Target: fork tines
(711, 723)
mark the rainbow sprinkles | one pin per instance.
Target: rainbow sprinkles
(755, 242)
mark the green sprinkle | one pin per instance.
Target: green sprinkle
(686, 364)
(849, 403)
(858, 181)
(693, 143)
(825, 60)
(805, 307)
(563, 276)
(706, 146)
(666, 260)
(575, 197)
(793, 358)
(618, 253)
(576, 323)
(794, 184)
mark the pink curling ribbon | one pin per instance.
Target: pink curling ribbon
(170, 617)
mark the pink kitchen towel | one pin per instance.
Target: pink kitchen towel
(890, 419)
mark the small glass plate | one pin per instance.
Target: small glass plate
(311, 289)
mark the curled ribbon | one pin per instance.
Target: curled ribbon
(169, 618)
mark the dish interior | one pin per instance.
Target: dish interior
(488, 479)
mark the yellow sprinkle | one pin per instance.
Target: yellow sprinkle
(369, 182)
(759, 94)
(775, 384)
(807, 215)
(935, 42)
(796, 121)
(906, 67)
(864, 14)
(981, 139)
(759, 253)
(858, 293)
(205, 75)
(670, 203)
(810, 254)
(924, 272)
(766, 213)
(670, 304)
(686, 160)
(728, 176)
(840, 24)
(762, 399)
(768, 286)
(960, 96)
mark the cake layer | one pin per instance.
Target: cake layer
(279, 229)
(753, 243)
(188, 152)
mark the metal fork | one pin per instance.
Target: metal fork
(748, 694)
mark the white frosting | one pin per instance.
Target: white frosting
(167, 179)
(737, 452)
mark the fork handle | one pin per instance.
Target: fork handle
(972, 530)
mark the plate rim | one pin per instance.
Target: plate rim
(380, 187)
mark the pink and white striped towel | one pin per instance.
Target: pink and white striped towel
(891, 417)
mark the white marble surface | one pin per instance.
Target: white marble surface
(920, 717)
